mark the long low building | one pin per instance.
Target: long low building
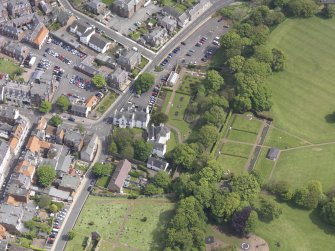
(119, 176)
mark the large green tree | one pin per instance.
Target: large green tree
(45, 106)
(213, 81)
(162, 179)
(56, 120)
(99, 81)
(102, 169)
(207, 135)
(142, 149)
(182, 155)
(214, 116)
(144, 82)
(46, 175)
(63, 103)
(309, 197)
(328, 11)
(246, 186)
(158, 118)
(224, 205)
(269, 210)
(302, 8)
(328, 212)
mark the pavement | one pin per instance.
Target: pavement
(76, 206)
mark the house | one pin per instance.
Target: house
(46, 8)
(126, 8)
(18, 135)
(69, 183)
(63, 17)
(79, 110)
(160, 134)
(3, 14)
(60, 135)
(74, 140)
(4, 158)
(18, 188)
(99, 43)
(157, 37)
(169, 23)
(37, 146)
(118, 78)
(59, 195)
(41, 124)
(273, 153)
(119, 176)
(96, 6)
(15, 93)
(17, 8)
(172, 79)
(86, 36)
(183, 19)
(159, 149)
(15, 50)
(50, 132)
(38, 37)
(79, 28)
(129, 60)
(9, 115)
(157, 164)
(11, 218)
(25, 168)
(64, 166)
(7, 29)
(42, 90)
(91, 102)
(196, 10)
(131, 116)
(86, 67)
(89, 150)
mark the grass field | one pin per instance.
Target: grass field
(264, 165)
(177, 112)
(103, 181)
(8, 67)
(303, 95)
(123, 218)
(242, 136)
(234, 164)
(242, 123)
(236, 149)
(172, 142)
(297, 230)
(302, 165)
(106, 102)
(166, 100)
(281, 140)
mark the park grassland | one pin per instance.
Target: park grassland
(121, 223)
(303, 94)
(297, 230)
(8, 66)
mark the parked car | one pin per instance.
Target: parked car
(72, 119)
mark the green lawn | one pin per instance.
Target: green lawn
(143, 63)
(281, 140)
(297, 230)
(166, 100)
(264, 165)
(233, 164)
(303, 95)
(103, 181)
(236, 149)
(173, 141)
(8, 67)
(110, 216)
(135, 35)
(242, 136)
(302, 165)
(108, 2)
(188, 82)
(106, 102)
(243, 123)
(177, 112)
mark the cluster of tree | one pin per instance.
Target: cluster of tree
(102, 169)
(99, 81)
(45, 106)
(45, 175)
(250, 62)
(158, 118)
(159, 184)
(63, 103)
(144, 82)
(124, 143)
(56, 120)
(34, 226)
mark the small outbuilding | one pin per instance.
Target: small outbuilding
(272, 153)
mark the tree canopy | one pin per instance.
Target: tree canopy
(182, 155)
(158, 118)
(328, 212)
(45, 106)
(246, 186)
(46, 175)
(56, 120)
(142, 149)
(207, 135)
(144, 82)
(99, 81)
(213, 81)
(102, 169)
(302, 8)
(63, 103)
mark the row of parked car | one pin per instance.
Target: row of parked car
(170, 55)
(80, 82)
(43, 64)
(60, 216)
(68, 48)
(154, 95)
(57, 55)
(58, 73)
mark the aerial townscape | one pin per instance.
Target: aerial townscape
(167, 125)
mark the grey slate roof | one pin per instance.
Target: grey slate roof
(91, 145)
(158, 163)
(140, 116)
(54, 192)
(273, 153)
(159, 147)
(98, 41)
(78, 108)
(73, 137)
(64, 165)
(3, 149)
(69, 181)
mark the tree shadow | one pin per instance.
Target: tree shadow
(159, 233)
(330, 118)
(315, 218)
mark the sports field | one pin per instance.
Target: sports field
(303, 94)
(297, 230)
(123, 224)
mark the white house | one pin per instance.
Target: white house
(157, 164)
(160, 134)
(88, 152)
(130, 116)
(98, 43)
(86, 36)
(159, 149)
(79, 29)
